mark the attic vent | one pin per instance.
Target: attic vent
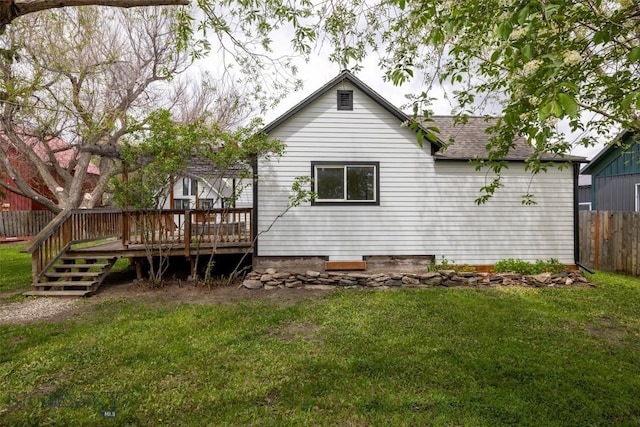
(345, 100)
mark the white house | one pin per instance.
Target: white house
(383, 200)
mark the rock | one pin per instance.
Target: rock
(270, 271)
(281, 275)
(446, 273)
(293, 284)
(568, 281)
(429, 275)
(542, 277)
(410, 281)
(346, 282)
(311, 273)
(434, 281)
(252, 284)
(393, 282)
(358, 276)
(266, 277)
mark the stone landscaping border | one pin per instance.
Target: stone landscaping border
(272, 279)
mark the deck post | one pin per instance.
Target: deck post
(187, 234)
(36, 266)
(138, 263)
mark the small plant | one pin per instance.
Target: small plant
(519, 266)
(444, 264)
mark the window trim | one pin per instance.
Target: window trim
(376, 184)
(638, 197)
(345, 107)
(585, 204)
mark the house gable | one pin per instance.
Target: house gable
(345, 77)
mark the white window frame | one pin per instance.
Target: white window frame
(345, 166)
(638, 197)
(585, 204)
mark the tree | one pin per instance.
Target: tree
(539, 63)
(89, 91)
(160, 152)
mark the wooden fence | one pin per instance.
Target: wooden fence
(610, 241)
(23, 223)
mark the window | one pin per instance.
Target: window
(638, 197)
(584, 206)
(189, 187)
(206, 203)
(182, 204)
(355, 182)
(345, 100)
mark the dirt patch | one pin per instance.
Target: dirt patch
(607, 330)
(309, 332)
(122, 285)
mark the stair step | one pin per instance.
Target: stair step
(62, 283)
(56, 293)
(74, 256)
(67, 266)
(74, 274)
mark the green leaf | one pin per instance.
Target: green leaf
(504, 30)
(419, 137)
(569, 104)
(523, 15)
(634, 54)
(601, 37)
(557, 109)
(401, 4)
(527, 51)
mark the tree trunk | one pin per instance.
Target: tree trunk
(10, 10)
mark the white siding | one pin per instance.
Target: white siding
(426, 207)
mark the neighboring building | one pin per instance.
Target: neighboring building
(201, 186)
(584, 192)
(615, 175)
(383, 197)
(63, 155)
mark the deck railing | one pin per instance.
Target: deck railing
(67, 228)
(152, 228)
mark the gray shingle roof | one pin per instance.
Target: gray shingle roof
(466, 141)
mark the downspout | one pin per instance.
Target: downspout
(576, 220)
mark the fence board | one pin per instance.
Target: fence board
(610, 241)
(23, 223)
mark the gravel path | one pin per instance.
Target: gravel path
(35, 309)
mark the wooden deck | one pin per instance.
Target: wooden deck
(74, 239)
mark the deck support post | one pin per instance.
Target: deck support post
(193, 267)
(138, 262)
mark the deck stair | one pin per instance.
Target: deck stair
(75, 274)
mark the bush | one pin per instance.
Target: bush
(519, 266)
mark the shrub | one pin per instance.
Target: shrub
(519, 266)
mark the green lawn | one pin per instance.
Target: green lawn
(507, 356)
(15, 267)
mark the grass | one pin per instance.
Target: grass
(507, 356)
(15, 267)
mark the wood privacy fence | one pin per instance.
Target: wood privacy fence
(610, 241)
(23, 223)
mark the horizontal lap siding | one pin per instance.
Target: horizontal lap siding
(426, 207)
